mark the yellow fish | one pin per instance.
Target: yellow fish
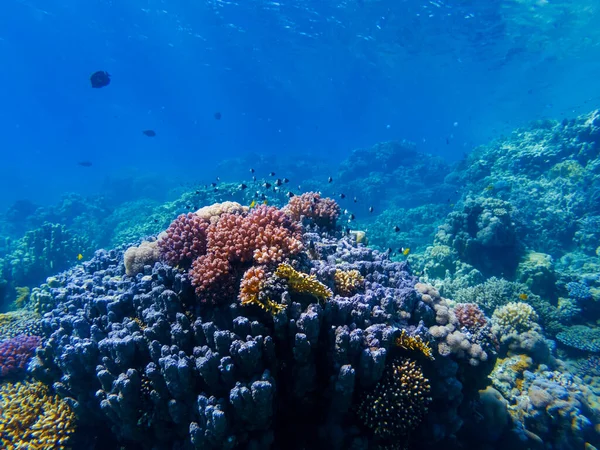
(79, 257)
(523, 296)
(489, 187)
(266, 202)
(405, 251)
(253, 204)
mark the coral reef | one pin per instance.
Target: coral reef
(149, 359)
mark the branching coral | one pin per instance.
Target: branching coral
(398, 402)
(348, 282)
(516, 325)
(15, 353)
(265, 236)
(30, 417)
(323, 211)
(581, 337)
(302, 283)
(250, 290)
(184, 240)
(413, 343)
(470, 316)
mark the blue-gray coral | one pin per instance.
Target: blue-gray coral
(160, 370)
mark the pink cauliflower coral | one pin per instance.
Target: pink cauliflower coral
(265, 236)
(323, 211)
(184, 240)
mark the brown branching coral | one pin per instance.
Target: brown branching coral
(398, 402)
(413, 343)
(348, 282)
(302, 283)
(32, 418)
(251, 287)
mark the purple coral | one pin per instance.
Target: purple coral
(184, 240)
(15, 353)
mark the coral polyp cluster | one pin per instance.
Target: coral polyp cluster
(398, 402)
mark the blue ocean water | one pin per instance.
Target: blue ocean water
(367, 224)
(290, 78)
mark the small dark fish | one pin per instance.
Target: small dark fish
(213, 184)
(218, 179)
(342, 196)
(197, 192)
(253, 177)
(187, 206)
(266, 185)
(285, 180)
(155, 220)
(290, 194)
(329, 180)
(85, 163)
(263, 197)
(271, 174)
(390, 251)
(447, 141)
(216, 189)
(100, 79)
(149, 133)
(347, 230)
(370, 209)
(218, 115)
(396, 228)
(315, 200)
(278, 182)
(351, 217)
(251, 170)
(243, 186)
(355, 200)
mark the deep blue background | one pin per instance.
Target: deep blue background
(297, 78)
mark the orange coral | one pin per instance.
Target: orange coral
(348, 282)
(250, 287)
(413, 343)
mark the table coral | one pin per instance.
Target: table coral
(31, 417)
(581, 337)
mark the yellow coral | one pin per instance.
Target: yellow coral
(32, 418)
(413, 343)
(348, 282)
(250, 287)
(303, 283)
(22, 296)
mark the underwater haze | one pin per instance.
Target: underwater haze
(265, 225)
(289, 78)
